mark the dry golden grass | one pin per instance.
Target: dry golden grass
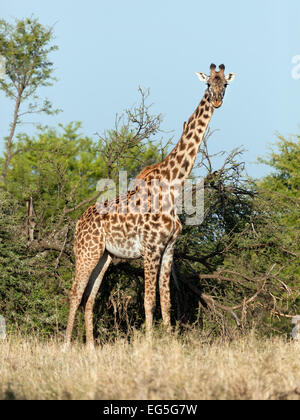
(170, 368)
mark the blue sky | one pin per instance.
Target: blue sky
(107, 49)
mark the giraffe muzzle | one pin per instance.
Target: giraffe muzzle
(217, 104)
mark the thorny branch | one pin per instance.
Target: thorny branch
(131, 129)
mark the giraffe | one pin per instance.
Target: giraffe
(102, 235)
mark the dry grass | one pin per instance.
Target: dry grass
(169, 368)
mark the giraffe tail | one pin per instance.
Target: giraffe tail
(89, 287)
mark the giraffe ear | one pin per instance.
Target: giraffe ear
(203, 77)
(230, 77)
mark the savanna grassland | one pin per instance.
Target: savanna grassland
(236, 271)
(170, 368)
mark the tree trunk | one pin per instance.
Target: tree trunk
(9, 153)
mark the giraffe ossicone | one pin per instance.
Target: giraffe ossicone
(101, 236)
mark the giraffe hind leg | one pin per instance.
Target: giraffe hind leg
(90, 294)
(84, 270)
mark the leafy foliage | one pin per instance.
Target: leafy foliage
(26, 46)
(27, 303)
(237, 269)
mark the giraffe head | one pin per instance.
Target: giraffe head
(217, 82)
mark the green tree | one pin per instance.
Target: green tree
(283, 184)
(282, 188)
(285, 163)
(28, 304)
(26, 46)
(240, 266)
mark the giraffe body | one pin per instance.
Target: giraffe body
(143, 222)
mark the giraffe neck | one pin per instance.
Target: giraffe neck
(179, 163)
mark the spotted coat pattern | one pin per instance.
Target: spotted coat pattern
(137, 231)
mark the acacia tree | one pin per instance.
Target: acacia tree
(26, 46)
(242, 264)
(123, 147)
(281, 187)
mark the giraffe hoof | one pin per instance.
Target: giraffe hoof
(90, 346)
(149, 335)
(65, 347)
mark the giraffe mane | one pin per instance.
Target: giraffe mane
(142, 175)
(146, 171)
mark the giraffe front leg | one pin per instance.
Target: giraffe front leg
(151, 267)
(164, 279)
(164, 285)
